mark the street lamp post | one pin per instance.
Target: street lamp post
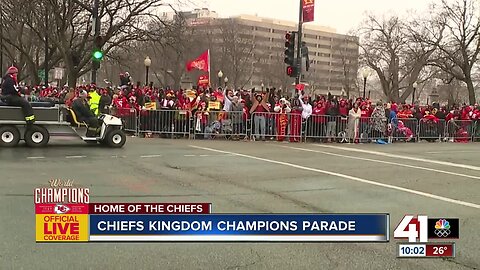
(414, 90)
(226, 81)
(220, 75)
(365, 74)
(147, 62)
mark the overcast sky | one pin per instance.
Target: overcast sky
(339, 14)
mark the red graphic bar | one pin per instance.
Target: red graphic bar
(440, 250)
(61, 208)
(149, 208)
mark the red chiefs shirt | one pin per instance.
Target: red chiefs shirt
(365, 114)
(343, 110)
(319, 114)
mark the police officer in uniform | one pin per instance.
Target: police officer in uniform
(12, 96)
(94, 99)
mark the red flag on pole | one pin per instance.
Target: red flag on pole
(308, 10)
(201, 63)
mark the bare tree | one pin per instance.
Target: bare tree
(348, 59)
(459, 49)
(390, 47)
(23, 36)
(236, 50)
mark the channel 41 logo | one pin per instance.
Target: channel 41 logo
(422, 228)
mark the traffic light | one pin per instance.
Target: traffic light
(292, 71)
(97, 54)
(290, 48)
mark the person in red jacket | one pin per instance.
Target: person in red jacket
(319, 119)
(296, 120)
(405, 112)
(364, 119)
(120, 102)
(343, 108)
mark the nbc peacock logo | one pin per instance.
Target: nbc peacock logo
(442, 228)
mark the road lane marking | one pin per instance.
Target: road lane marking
(35, 157)
(75, 156)
(150, 156)
(438, 162)
(227, 155)
(353, 178)
(448, 152)
(385, 162)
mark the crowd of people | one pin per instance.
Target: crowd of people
(205, 111)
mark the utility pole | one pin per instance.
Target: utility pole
(96, 21)
(299, 44)
(46, 44)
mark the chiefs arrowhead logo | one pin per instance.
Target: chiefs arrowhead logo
(61, 209)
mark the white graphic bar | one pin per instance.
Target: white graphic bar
(246, 238)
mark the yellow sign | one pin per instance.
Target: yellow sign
(61, 227)
(151, 105)
(214, 105)
(191, 94)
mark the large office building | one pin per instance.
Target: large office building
(255, 46)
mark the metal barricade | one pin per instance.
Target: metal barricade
(371, 129)
(277, 126)
(476, 131)
(460, 130)
(219, 124)
(129, 117)
(405, 130)
(431, 130)
(325, 128)
(167, 123)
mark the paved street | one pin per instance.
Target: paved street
(246, 177)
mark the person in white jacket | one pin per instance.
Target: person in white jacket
(353, 121)
(227, 99)
(307, 107)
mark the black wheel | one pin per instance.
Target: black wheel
(36, 136)
(115, 138)
(9, 136)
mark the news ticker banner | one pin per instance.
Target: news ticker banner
(240, 227)
(194, 222)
